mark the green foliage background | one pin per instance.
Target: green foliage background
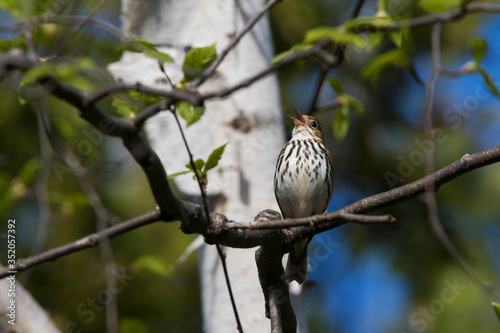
(163, 297)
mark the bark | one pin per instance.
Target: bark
(250, 120)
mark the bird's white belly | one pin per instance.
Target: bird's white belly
(306, 194)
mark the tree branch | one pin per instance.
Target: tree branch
(83, 243)
(211, 69)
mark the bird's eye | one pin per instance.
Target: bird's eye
(314, 124)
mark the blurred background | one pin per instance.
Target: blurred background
(381, 278)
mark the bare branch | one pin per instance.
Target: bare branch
(311, 221)
(83, 243)
(211, 70)
(429, 196)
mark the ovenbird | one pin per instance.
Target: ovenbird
(303, 183)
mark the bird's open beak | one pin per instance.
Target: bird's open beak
(299, 121)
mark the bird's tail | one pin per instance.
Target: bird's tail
(296, 267)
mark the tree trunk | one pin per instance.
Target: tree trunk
(250, 120)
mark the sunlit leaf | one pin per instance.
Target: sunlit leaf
(489, 82)
(374, 69)
(188, 112)
(295, 48)
(214, 157)
(179, 174)
(198, 164)
(64, 72)
(336, 34)
(197, 60)
(479, 47)
(433, 6)
(341, 122)
(149, 50)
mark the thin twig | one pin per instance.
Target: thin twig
(211, 69)
(78, 28)
(327, 65)
(429, 196)
(203, 193)
(311, 220)
(222, 257)
(43, 178)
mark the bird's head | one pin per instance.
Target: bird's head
(310, 124)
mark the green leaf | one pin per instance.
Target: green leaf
(179, 174)
(337, 86)
(188, 112)
(479, 47)
(489, 82)
(152, 263)
(336, 34)
(374, 69)
(149, 50)
(197, 60)
(295, 48)
(127, 104)
(374, 39)
(496, 308)
(403, 39)
(354, 102)
(65, 72)
(367, 22)
(214, 158)
(122, 105)
(198, 164)
(132, 325)
(341, 122)
(433, 6)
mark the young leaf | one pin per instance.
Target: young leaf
(198, 164)
(341, 122)
(172, 176)
(122, 105)
(336, 34)
(366, 22)
(214, 158)
(354, 102)
(66, 72)
(197, 60)
(337, 86)
(149, 50)
(433, 6)
(374, 69)
(496, 308)
(479, 47)
(295, 48)
(489, 82)
(188, 112)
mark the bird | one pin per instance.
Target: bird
(303, 184)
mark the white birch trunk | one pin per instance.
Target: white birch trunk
(250, 120)
(29, 316)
